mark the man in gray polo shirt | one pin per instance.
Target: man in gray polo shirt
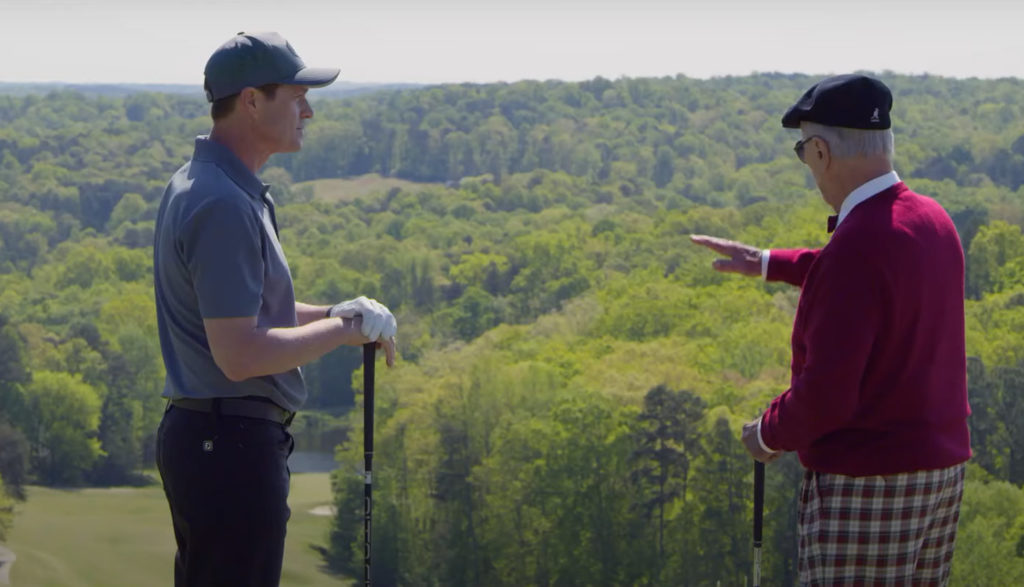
(231, 333)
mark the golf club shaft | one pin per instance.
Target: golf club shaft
(758, 519)
(369, 350)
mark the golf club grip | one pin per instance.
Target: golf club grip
(369, 355)
(369, 352)
(758, 502)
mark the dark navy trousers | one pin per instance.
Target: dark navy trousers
(226, 479)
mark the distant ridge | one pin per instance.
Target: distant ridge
(336, 90)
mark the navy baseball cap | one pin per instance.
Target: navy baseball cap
(851, 101)
(257, 59)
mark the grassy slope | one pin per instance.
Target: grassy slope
(346, 190)
(122, 537)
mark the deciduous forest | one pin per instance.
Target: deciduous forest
(572, 374)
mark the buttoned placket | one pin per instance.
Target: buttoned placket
(268, 201)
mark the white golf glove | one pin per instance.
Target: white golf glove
(378, 321)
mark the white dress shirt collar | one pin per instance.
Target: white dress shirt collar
(875, 186)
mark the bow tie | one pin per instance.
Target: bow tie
(832, 221)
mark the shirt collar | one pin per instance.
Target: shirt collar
(857, 196)
(209, 150)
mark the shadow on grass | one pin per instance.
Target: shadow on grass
(325, 565)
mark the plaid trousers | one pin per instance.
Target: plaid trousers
(879, 530)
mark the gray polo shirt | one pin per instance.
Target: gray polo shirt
(216, 255)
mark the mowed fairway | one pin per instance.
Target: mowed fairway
(122, 537)
(346, 190)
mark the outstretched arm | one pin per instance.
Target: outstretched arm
(789, 265)
(742, 259)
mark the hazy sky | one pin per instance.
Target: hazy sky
(431, 41)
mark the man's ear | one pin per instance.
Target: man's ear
(823, 153)
(247, 100)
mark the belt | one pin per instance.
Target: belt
(260, 408)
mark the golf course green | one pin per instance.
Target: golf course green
(122, 537)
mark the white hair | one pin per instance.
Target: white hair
(852, 142)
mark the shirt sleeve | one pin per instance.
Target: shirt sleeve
(789, 265)
(839, 317)
(222, 247)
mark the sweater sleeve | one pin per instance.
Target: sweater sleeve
(790, 265)
(838, 318)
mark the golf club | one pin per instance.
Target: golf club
(758, 518)
(369, 350)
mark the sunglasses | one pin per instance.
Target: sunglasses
(798, 148)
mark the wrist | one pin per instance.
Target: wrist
(352, 334)
(760, 438)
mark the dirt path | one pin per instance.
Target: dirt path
(7, 559)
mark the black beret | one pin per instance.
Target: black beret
(851, 101)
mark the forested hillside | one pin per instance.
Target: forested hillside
(573, 374)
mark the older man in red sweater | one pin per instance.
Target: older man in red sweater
(877, 405)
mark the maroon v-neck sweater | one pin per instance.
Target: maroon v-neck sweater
(879, 376)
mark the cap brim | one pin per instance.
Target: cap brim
(792, 118)
(315, 77)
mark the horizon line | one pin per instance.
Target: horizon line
(885, 72)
